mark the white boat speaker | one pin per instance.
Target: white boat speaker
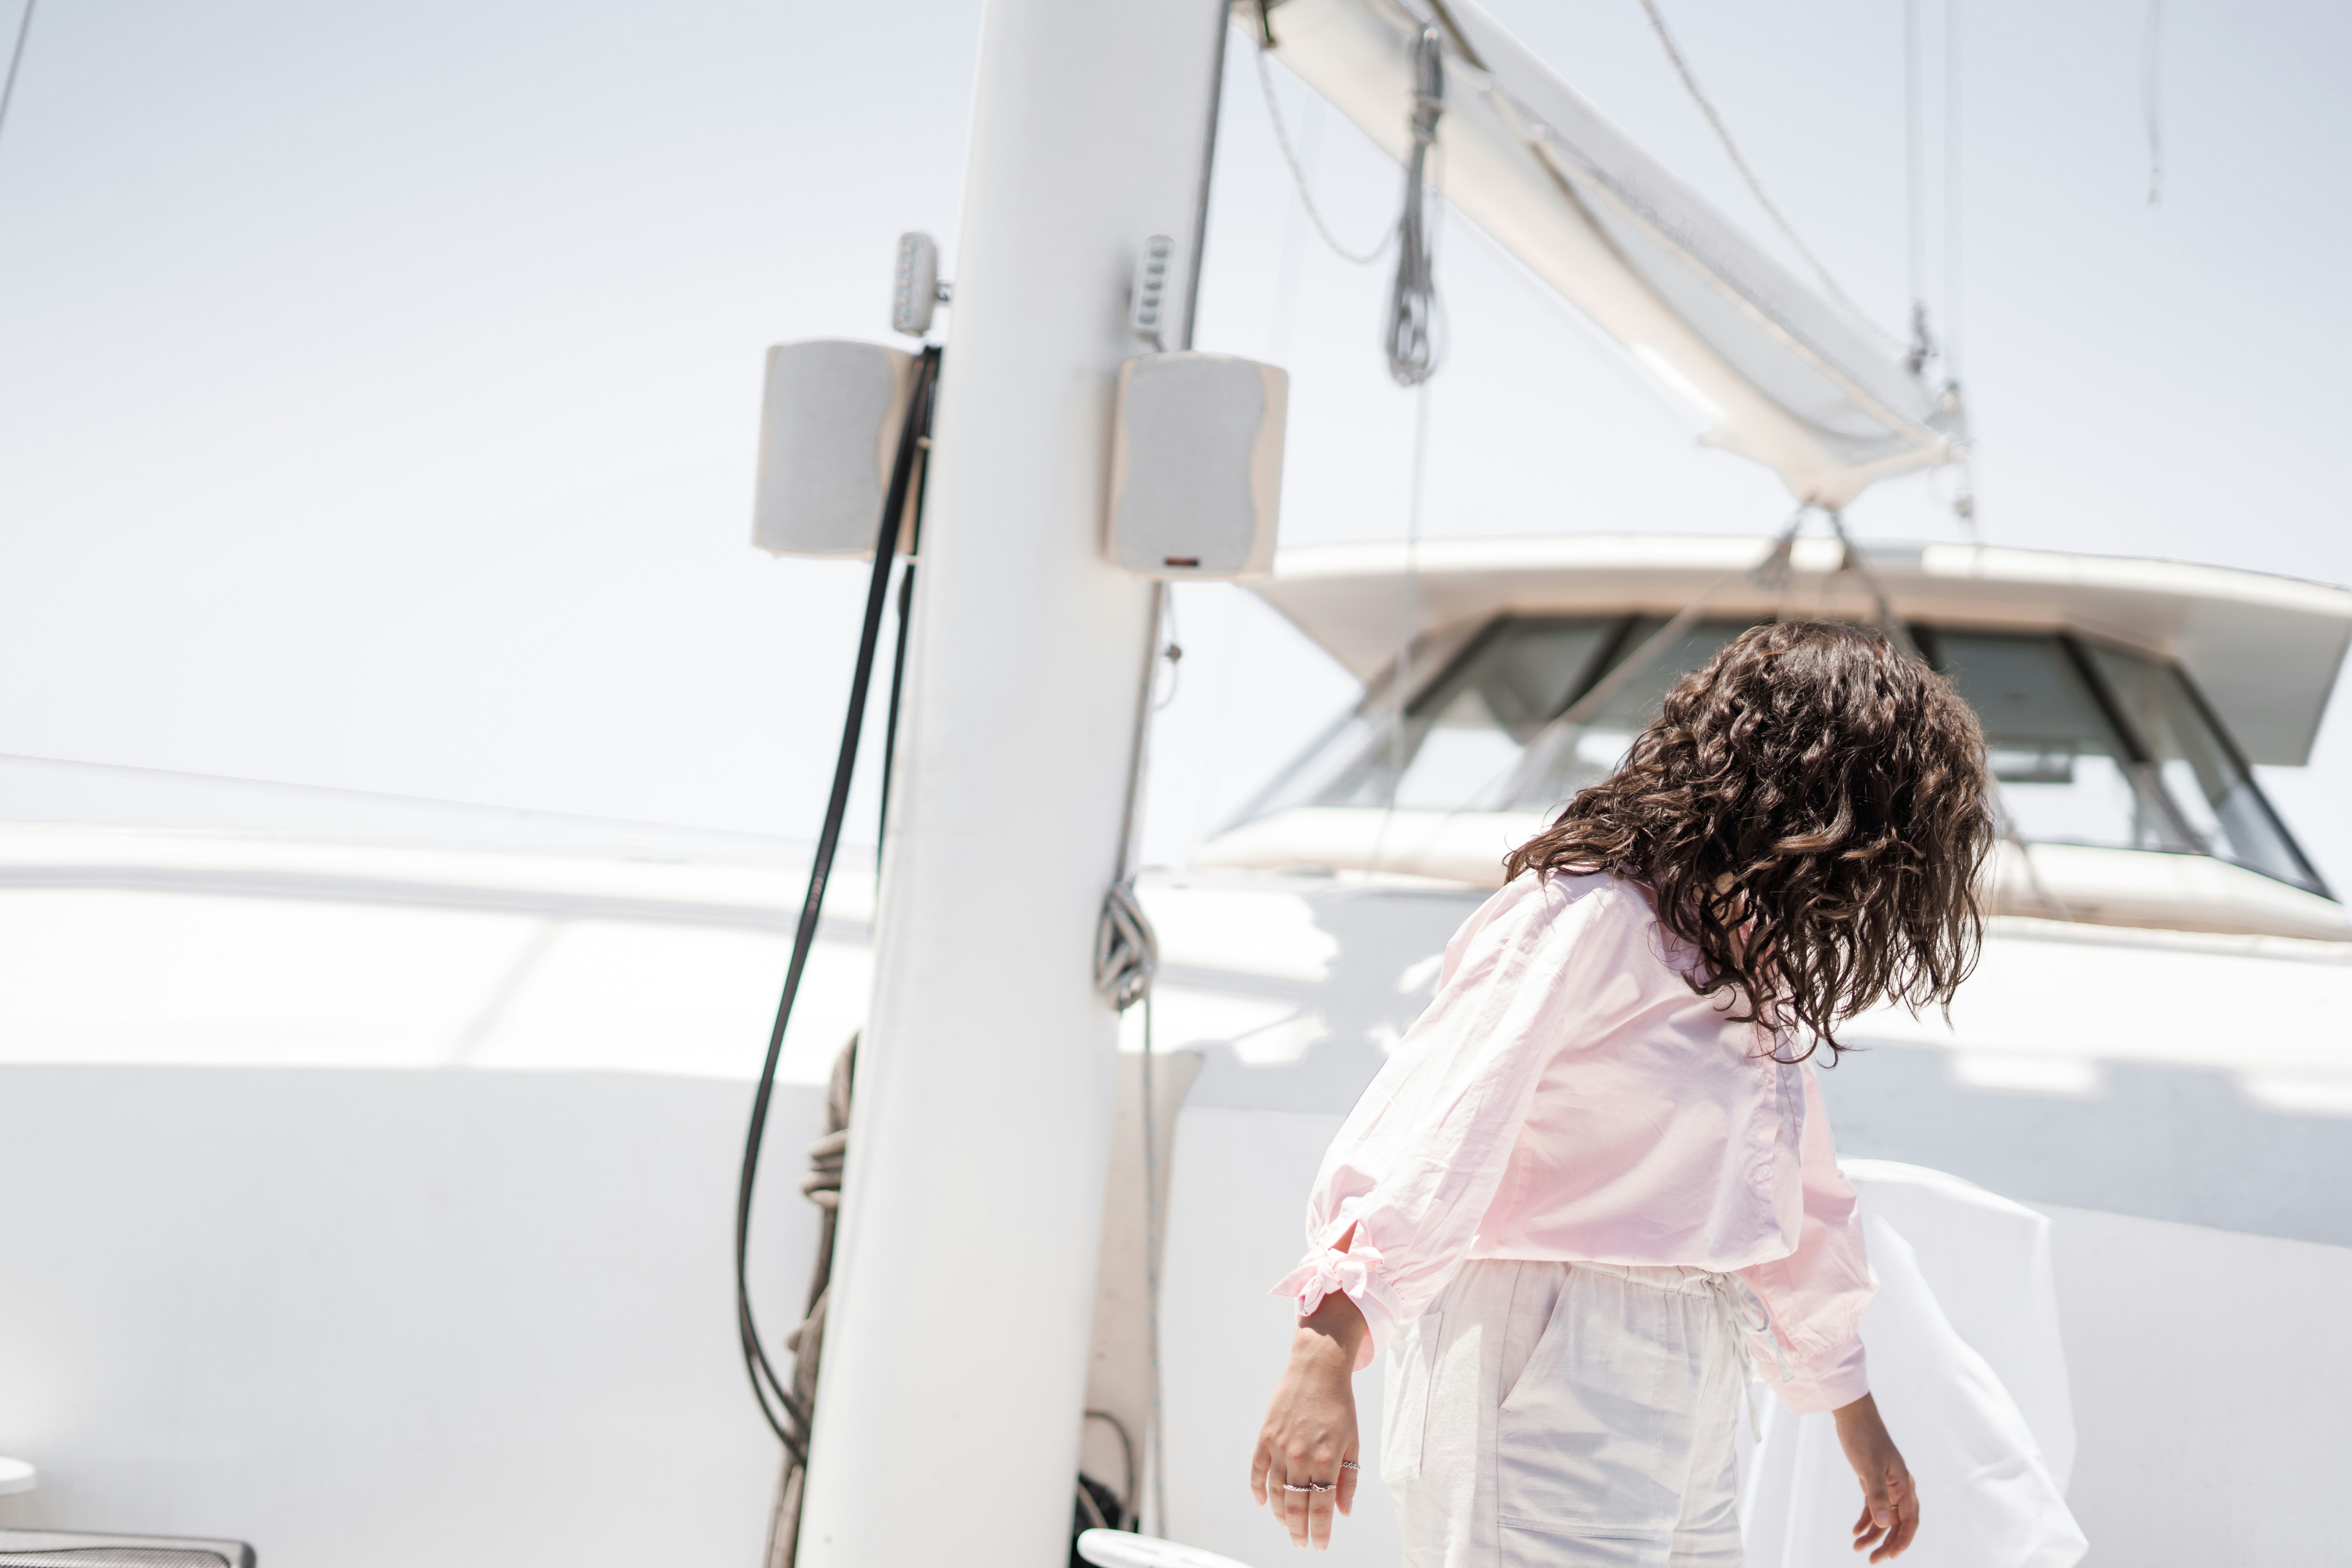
(1196, 464)
(828, 434)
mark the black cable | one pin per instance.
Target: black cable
(899, 658)
(891, 722)
(766, 1386)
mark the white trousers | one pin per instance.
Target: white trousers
(1568, 1415)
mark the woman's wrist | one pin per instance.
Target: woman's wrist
(1336, 1326)
(1855, 1410)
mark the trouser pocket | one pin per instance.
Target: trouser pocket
(1410, 1373)
(1593, 1442)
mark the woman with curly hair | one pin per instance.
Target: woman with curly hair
(1594, 1185)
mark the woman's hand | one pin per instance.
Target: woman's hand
(1890, 1502)
(1311, 1424)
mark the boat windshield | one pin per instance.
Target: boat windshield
(2090, 744)
(1484, 730)
(2094, 745)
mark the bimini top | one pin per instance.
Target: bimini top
(2264, 650)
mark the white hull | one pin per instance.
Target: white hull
(447, 1276)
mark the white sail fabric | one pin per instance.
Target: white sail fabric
(1966, 1367)
(1780, 373)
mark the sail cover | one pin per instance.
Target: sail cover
(1780, 373)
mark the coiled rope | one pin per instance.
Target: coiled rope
(1412, 298)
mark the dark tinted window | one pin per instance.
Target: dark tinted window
(2088, 743)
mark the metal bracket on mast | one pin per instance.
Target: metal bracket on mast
(919, 289)
(1147, 299)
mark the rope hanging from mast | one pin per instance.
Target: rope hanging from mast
(1409, 339)
(1412, 298)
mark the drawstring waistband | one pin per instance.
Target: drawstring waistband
(1739, 1310)
(1744, 1317)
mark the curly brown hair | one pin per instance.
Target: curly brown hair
(1812, 812)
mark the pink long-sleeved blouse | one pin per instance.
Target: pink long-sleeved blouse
(1566, 1096)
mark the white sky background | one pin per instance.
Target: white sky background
(379, 386)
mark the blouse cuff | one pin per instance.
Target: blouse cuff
(1829, 1381)
(1328, 1271)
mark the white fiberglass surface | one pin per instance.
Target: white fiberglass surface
(93, 975)
(1262, 1032)
(385, 976)
(2048, 993)
(1265, 933)
(1292, 970)
(675, 999)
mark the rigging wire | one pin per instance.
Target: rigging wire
(15, 61)
(1151, 1228)
(1401, 677)
(2151, 97)
(1964, 495)
(1731, 148)
(1298, 177)
(1914, 172)
(1925, 348)
(1126, 960)
(1915, 193)
(1429, 89)
(1853, 560)
(1952, 191)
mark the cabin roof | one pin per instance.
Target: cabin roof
(2264, 649)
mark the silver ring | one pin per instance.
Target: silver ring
(1349, 1464)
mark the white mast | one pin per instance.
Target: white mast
(955, 1355)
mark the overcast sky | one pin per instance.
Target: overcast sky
(378, 385)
